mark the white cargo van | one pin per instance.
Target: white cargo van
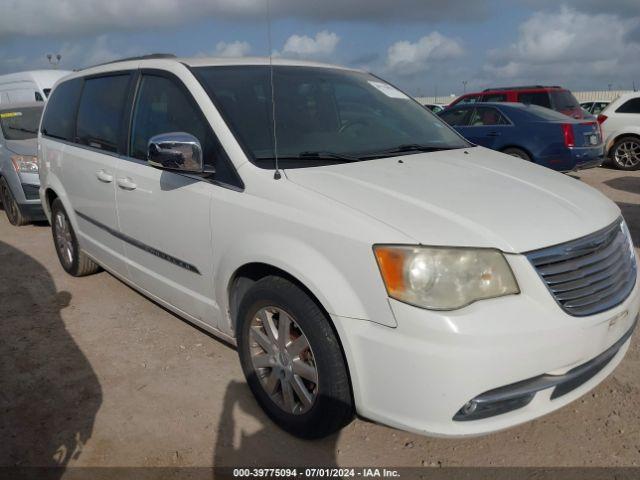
(30, 86)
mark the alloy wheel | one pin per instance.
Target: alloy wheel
(64, 240)
(627, 154)
(283, 360)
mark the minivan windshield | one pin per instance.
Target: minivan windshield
(322, 115)
(20, 123)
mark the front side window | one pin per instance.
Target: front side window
(536, 98)
(487, 116)
(100, 116)
(321, 112)
(163, 107)
(630, 106)
(59, 116)
(20, 123)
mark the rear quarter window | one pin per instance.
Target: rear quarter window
(535, 98)
(59, 115)
(630, 106)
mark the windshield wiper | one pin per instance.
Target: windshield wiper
(317, 155)
(20, 129)
(407, 148)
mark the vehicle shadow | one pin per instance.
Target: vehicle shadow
(49, 393)
(629, 184)
(266, 446)
(631, 214)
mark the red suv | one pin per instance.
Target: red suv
(556, 98)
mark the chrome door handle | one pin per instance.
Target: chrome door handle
(493, 134)
(126, 184)
(104, 176)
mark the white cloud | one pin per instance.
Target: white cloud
(321, 46)
(232, 49)
(552, 46)
(70, 17)
(406, 58)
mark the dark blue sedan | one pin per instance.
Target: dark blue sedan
(530, 132)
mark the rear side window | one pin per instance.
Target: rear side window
(535, 98)
(455, 117)
(494, 97)
(630, 106)
(163, 107)
(487, 116)
(100, 116)
(59, 116)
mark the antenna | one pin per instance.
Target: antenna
(276, 175)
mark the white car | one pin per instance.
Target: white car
(31, 86)
(620, 123)
(363, 255)
(594, 107)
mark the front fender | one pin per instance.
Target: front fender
(338, 289)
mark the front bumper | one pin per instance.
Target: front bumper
(419, 375)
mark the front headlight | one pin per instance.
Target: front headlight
(25, 163)
(441, 278)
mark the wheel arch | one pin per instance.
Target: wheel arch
(519, 147)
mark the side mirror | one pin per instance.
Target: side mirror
(177, 151)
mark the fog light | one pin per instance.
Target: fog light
(469, 407)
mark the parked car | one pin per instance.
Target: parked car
(435, 107)
(555, 98)
(31, 86)
(620, 123)
(594, 107)
(19, 181)
(362, 254)
(530, 132)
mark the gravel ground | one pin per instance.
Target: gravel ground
(94, 374)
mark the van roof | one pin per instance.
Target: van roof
(18, 105)
(158, 60)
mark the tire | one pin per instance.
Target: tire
(517, 152)
(329, 404)
(11, 207)
(625, 153)
(74, 261)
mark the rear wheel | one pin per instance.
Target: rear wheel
(625, 153)
(292, 360)
(11, 207)
(72, 259)
(517, 152)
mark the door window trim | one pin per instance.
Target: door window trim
(129, 111)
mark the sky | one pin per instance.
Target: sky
(425, 47)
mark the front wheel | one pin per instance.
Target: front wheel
(11, 207)
(292, 359)
(625, 153)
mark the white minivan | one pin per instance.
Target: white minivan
(31, 86)
(363, 256)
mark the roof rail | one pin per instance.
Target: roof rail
(524, 87)
(150, 56)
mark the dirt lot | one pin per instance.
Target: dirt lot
(94, 374)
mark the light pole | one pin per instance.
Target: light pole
(54, 59)
(464, 86)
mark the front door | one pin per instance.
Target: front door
(165, 217)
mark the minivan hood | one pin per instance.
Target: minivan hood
(475, 197)
(23, 147)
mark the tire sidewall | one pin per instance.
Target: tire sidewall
(324, 346)
(56, 207)
(9, 203)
